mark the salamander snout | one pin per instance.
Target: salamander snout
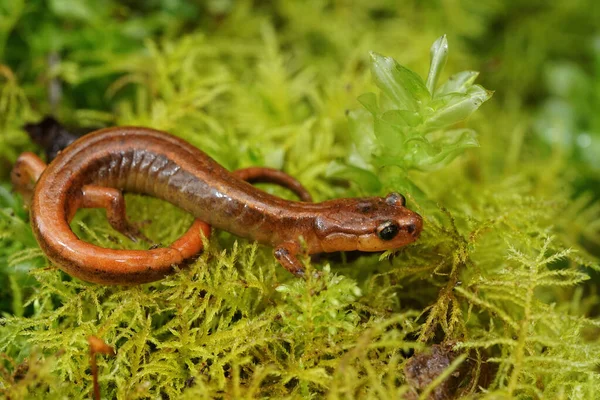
(415, 226)
(406, 228)
(395, 225)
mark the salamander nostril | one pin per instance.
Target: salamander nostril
(411, 228)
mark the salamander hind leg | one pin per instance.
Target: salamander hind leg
(270, 175)
(113, 202)
(25, 173)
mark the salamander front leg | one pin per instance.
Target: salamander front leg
(287, 255)
(113, 202)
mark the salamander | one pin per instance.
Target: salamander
(94, 170)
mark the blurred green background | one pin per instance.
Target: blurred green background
(541, 58)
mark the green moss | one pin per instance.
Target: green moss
(505, 272)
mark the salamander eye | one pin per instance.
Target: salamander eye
(388, 230)
(395, 199)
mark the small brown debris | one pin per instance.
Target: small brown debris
(423, 368)
(97, 345)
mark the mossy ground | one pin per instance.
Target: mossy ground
(505, 272)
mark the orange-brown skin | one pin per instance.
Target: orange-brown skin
(92, 171)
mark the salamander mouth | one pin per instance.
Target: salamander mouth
(371, 243)
(408, 233)
(340, 242)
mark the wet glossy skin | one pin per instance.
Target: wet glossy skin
(155, 163)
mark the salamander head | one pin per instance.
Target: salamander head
(368, 224)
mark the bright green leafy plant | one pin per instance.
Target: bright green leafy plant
(410, 125)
